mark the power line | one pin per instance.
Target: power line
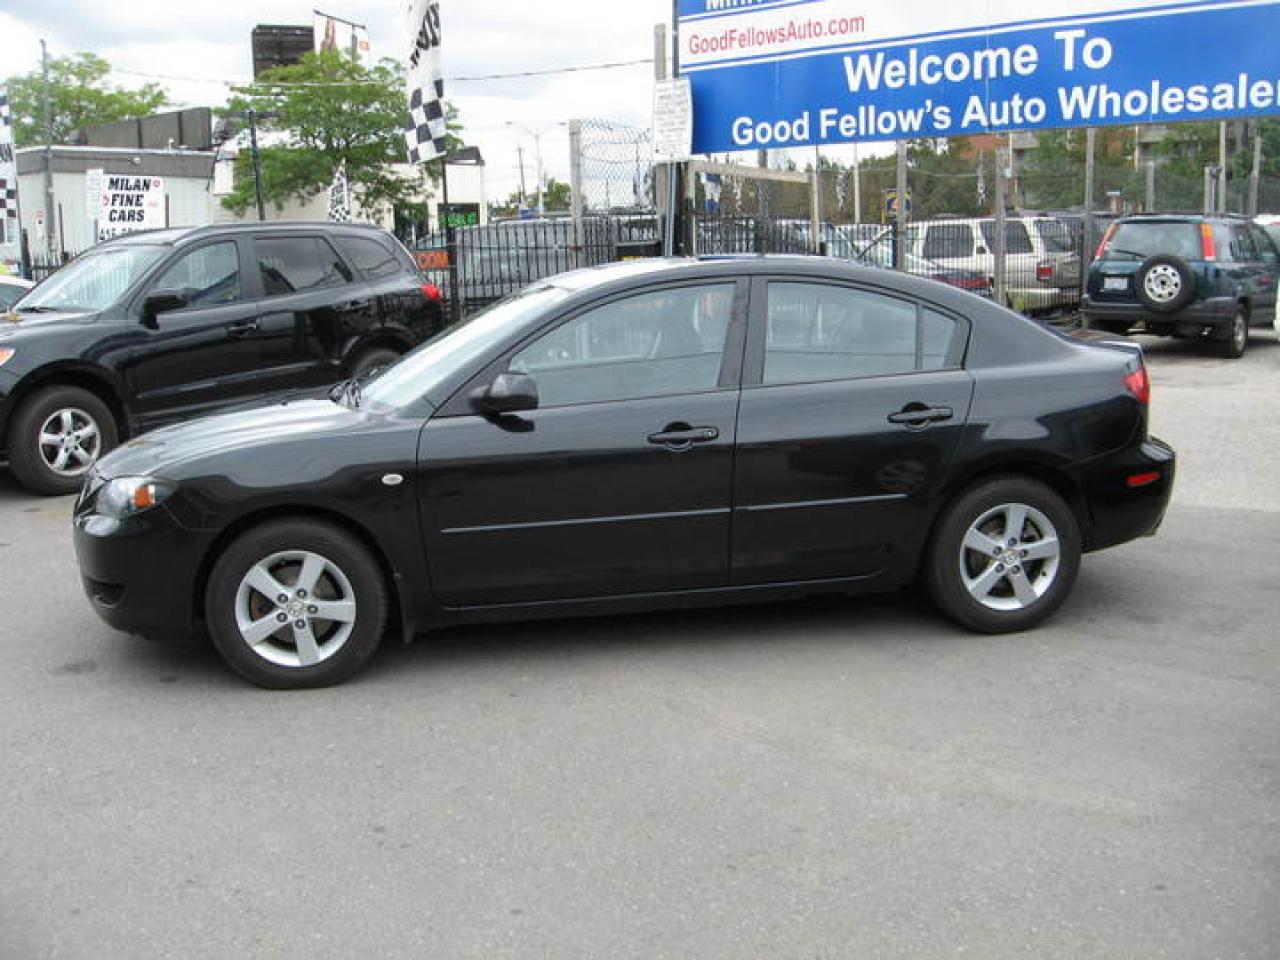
(522, 74)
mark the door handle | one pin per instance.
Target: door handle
(920, 415)
(356, 305)
(242, 329)
(679, 436)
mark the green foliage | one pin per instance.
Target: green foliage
(325, 109)
(79, 96)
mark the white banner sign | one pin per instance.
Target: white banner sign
(130, 203)
(672, 120)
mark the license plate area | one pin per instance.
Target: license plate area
(1115, 283)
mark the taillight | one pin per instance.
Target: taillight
(431, 291)
(1139, 384)
(1044, 271)
(1208, 247)
(1106, 240)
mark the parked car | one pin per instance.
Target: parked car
(1189, 276)
(878, 252)
(169, 324)
(1042, 266)
(631, 437)
(12, 289)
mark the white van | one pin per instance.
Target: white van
(1042, 269)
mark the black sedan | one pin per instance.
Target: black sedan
(645, 435)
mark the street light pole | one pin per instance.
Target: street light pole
(537, 157)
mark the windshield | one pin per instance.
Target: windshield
(1137, 241)
(92, 282)
(420, 371)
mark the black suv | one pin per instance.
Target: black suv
(169, 324)
(1184, 276)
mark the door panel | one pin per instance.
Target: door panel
(576, 501)
(826, 485)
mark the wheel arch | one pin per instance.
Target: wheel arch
(400, 612)
(94, 380)
(384, 338)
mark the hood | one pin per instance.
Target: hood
(285, 424)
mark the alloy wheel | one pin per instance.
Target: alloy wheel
(1009, 557)
(295, 608)
(70, 441)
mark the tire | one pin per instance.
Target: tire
(1237, 339)
(345, 579)
(976, 586)
(1165, 284)
(373, 360)
(77, 428)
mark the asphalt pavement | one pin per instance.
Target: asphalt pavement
(823, 779)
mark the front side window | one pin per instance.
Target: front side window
(297, 264)
(654, 344)
(821, 332)
(206, 277)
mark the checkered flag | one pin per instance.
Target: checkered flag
(340, 195)
(8, 170)
(8, 199)
(424, 127)
(5, 121)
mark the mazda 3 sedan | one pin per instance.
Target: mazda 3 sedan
(647, 435)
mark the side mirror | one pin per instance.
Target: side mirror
(509, 393)
(162, 301)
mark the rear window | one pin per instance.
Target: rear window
(1016, 238)
(1141, 240)
(948, 240)
(1055, 236)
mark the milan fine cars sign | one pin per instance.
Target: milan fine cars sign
(779, 73)
(130, 203)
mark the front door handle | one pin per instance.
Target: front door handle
(680, 436)
(242, 329)
(920, 415)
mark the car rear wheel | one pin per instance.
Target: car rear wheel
(296, 603)
(57, 435)
(1004, 556)
(1237, 339)
(372, 361)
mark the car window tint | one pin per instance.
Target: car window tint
(1139, 240)
(295, 264)
(1262, 240)
(207, 276)
(373, 259)
(941, 341)
(1242, 247)
(653, 344)
(822, 332)
(1016, 238)
(948, 240)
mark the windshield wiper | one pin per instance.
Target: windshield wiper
(1128, 253)
(35, 308)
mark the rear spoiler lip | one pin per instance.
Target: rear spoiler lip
(1099, 338)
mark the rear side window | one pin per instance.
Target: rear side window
(372, 259)
(820, 331)
(1016, 238)
(296, 264)
(1242, 247)
(1141, 240)
(1262, 240)
(948, 240)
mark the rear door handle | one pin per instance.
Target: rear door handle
(919, 415)
(243, 328)
(680, 437)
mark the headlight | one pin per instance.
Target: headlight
(125, 496)
(6, 353)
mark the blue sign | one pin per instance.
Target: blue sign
(787, 73)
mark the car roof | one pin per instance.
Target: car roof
(174, 236)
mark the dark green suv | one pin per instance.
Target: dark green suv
(1208, 278)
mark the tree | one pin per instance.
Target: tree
(323, 110)
(79, 96)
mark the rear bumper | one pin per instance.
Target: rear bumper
(1215, 313)
(1127, 494)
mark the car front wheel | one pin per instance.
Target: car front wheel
(56, 436)
(296, 603)
(1004, 556)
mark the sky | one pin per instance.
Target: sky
(209, 44)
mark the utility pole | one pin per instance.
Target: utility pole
(1000, 251)
(857, 186)
(1090, 151)
(520, 156)
(1255, 175)
(1151, 186)
(900, 211)
(1222, 166)
(50, 215)
(252, 116)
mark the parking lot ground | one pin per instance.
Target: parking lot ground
(826, 779)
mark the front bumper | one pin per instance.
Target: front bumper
(1214, 313)
(140, 573)
(1120, 511)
